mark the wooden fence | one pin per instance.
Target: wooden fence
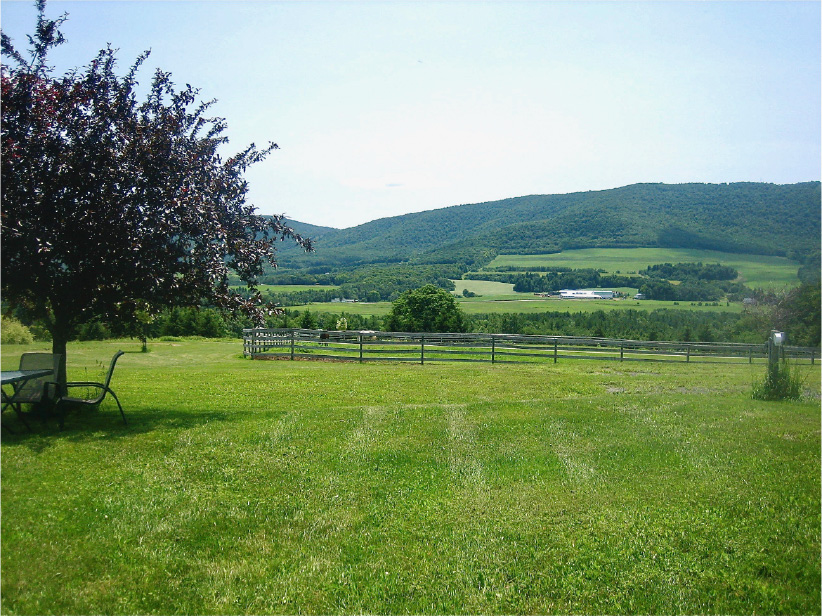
(495, 348)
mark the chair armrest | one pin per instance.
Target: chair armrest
(51, 390)
(85, 384)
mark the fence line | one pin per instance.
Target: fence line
(365, 346)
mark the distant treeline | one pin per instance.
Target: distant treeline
(660, 324)
(551, 281)
(698, 282)
(530, 268)
(633, 324)
(692, 271)
(176, 322)
(371, 284)
(694, 290)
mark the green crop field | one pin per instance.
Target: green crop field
(756, 270)
(249, 487)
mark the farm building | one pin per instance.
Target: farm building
(585, 294)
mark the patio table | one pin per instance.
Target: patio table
(17, 378)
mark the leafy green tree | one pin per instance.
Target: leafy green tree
(13, 331)
(799, 312)
(110, 204)
(307, 321)
(427, 309)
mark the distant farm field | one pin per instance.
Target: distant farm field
(265, 487)
(523, 303)
(498, 297)
(761, 271)
(495, 297)
(527, 303)
(486, 287)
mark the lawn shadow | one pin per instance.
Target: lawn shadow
(95, 424)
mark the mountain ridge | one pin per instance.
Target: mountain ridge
(752, 217)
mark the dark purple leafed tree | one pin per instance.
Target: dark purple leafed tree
(111, 206)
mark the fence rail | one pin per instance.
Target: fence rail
(365, 346)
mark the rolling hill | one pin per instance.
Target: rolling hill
(753, 218)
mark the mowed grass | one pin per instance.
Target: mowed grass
(306, 487)
(760, 271)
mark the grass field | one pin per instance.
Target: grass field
(756, 270)
(247, 487)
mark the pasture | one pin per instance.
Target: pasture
(244, 487)
(503, 302)
(767, 272)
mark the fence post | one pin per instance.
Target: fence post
(360, 336)
(688, 354)
(292, 345)
(813, 355)
(555, 350)
(422, 349)
(750, 355)
(493, 349)
(621, 350)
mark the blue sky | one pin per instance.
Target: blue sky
(384, 108)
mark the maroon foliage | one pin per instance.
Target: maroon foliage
(111, 204)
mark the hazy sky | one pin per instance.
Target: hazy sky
(384, 108)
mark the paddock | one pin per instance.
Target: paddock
(363, 346)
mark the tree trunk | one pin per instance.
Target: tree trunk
(59, 338)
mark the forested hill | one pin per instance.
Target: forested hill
(741, 217)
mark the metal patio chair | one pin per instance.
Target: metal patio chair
(37, 390)
(65, 403)
(40, 393)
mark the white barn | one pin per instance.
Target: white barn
(585, 294)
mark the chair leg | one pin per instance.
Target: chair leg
(19, 412)
(60, 410)
(119, 406)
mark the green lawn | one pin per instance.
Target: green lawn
(756, 270)
(249, 487)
